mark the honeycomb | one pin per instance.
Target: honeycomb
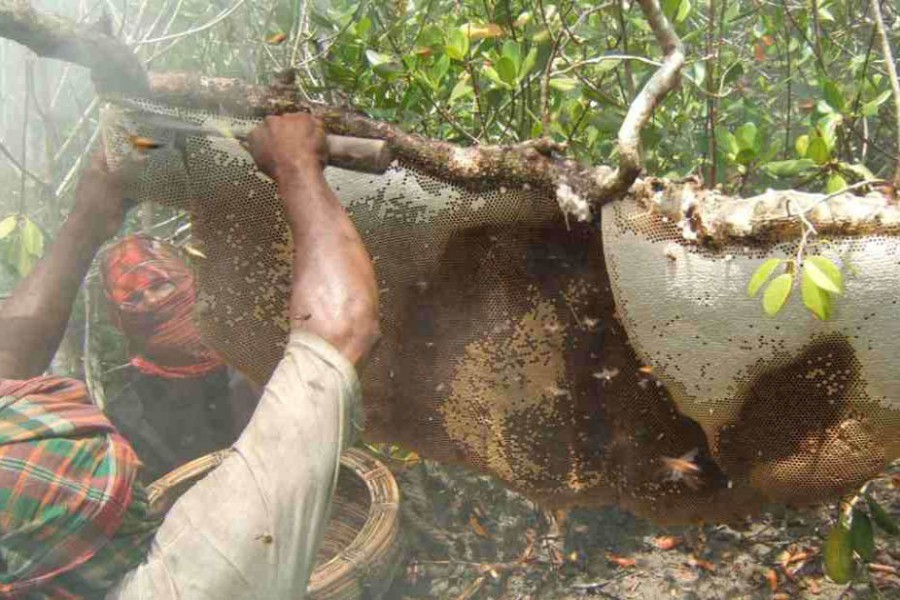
(569, 360)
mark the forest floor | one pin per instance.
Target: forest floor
(468, 538)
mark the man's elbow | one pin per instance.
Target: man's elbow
(354, 331)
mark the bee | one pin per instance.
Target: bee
(276, 39)
(142, 144)
(682, 469)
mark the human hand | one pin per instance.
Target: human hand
(288, 144)
(99, 198)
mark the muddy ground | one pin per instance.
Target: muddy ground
(467, 537)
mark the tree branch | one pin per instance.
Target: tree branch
(533, 164)
(663, 81)
(112, 63)
(891, 67)
(710, 218)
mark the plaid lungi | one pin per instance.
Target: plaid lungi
(67, 486)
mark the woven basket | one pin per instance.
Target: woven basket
(360, 553)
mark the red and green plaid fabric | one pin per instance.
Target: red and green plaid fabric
(73, 517)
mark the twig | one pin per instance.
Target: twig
(75, 166)
(18, 166)
(212, 23)
(892, 74)
(28, 74)
(599, 59)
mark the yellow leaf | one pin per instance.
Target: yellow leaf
(482, 31)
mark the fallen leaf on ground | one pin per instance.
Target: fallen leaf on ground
(621, 561)
(477, 527)
(701, 564)
(667, 542)
(772, 579)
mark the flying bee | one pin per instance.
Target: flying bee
(682, 469)
(142, 144)
(276, 39)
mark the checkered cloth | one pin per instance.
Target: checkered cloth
(73, 518)
(165, 330)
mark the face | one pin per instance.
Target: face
(149, 298)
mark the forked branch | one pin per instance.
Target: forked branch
(663, 81)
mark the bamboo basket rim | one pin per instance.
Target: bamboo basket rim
(377, 535)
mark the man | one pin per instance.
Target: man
(73, 516)
(179, 400)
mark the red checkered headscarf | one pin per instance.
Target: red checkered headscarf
(164, 338)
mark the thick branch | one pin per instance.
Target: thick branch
(112, 63)
(531, 164)
(891, 67)
(710, 218)
(664, 80)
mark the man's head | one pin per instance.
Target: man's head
(152, 294)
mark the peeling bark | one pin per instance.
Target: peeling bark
(112, 63)
(708, 217)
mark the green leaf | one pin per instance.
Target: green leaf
(817, 300)
(802, 145)
(460, 90)
(511, 51)
(745, 156)
(838, 554)
(671, 7)
(825, 273)
(835, 183)
(564, 84)
(684, 9)
(862, 537)
(439, 70)
(492, 74)
(377, 58)
(833, 95)
(733, 73)
(789, 168)
(363, 26)
(762, 274)
(870, 108)
(32, 238)
(827, 126)
(529, 62)
(777, 293)
(506, 69)
(747, 137)
(728, 143)
(860, 170)
(457, 45)
(818, 151)
(18, 257)
(8, 225)
(881, 518)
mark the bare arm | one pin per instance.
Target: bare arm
(33, 320)
(334, 294)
